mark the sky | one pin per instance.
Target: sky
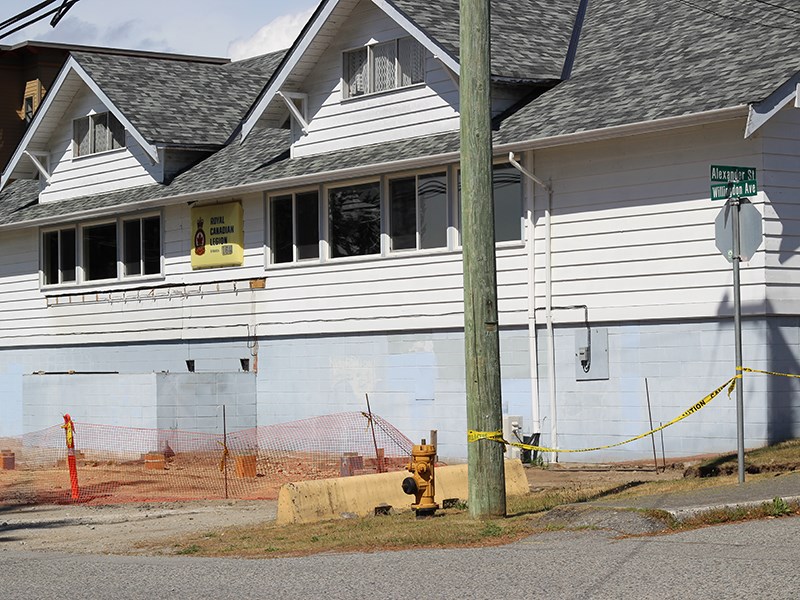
(233, 28)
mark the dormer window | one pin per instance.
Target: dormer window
(383, 67)
(97, 133)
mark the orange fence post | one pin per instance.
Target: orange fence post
(69, 430)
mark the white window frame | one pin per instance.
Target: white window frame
(59, 266)
(445, 172)
(370, 84)
(91, 118)
(81, 278)
(270, 254)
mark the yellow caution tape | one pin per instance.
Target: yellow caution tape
(474, 436)
(748, 370)
(497, 436)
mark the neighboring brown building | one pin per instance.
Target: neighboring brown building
(28, 69)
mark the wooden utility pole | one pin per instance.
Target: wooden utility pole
(487, 489)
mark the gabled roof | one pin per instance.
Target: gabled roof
(179, 103)
(529, 40)
(162, 102)
(627, 77)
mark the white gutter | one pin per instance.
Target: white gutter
(422, 162)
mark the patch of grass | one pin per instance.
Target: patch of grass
(191, 549)
(781, 457)
(773, 509)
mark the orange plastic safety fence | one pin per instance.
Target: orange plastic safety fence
(121, 464)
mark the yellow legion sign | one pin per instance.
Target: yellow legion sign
(217, 236)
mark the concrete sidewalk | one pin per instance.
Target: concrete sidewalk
(686, 504)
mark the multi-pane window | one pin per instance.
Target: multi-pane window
(508, 204)
(382, 67)
(141, 246)
(418, 212)
(355, 220)
(295, 227)
(507, 190)
(97, 133)
(99, 259)
(102, 251)
(58, 256)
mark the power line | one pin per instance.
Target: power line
(780, 6)
(733, 18)
(15, 23)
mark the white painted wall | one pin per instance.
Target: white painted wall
(336, 123)
(103, 172)
(779, 175)
(633, 238)
(633, 227)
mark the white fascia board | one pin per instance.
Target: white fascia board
(296, 53)
(36, 122)
(71, 65)
(763, 111)
(438, 52)
(151, 150)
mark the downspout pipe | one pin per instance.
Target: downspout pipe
(532, 338)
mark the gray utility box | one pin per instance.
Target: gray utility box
(591, 354)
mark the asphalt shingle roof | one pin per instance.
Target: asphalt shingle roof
(176, 102)
(638, 61)
(529, 38)
(641, 60)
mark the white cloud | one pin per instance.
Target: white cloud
(278, 34)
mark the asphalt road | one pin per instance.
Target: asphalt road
(751, 560)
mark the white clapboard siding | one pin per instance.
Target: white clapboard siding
(410, 290)
(779, 178)
(104, 172)
(417, 110)
(633, 226)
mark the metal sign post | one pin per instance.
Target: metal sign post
(737, 325)
(732, 184)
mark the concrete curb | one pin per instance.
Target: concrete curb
(311, 501)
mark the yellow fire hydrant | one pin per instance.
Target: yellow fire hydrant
(421, 483)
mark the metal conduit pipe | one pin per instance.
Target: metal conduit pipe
(532, 340)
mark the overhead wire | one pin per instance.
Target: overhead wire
(15, 22)
(735, 18)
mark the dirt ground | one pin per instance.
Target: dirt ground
(118, 528)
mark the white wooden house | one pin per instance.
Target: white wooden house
(288, 228)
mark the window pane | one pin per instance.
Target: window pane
(507, 184)
(403, 224)
(282, 245)
(50, 257)
(355, 214)
(68, 250)
(132, 247)
(80, 134)
(412, 61)
(307, 233)
(100, 132)
(100, 251)
(433, 210)
(384, 69)
(356, 72)
(117, 132)
(151, 245)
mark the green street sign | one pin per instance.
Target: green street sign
(723, 191)
(727, 174)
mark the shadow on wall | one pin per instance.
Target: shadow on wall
(783, 348)
(782, 339)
